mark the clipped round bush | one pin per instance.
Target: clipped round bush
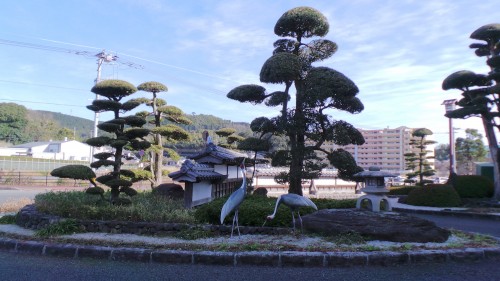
(401, 190)
(169, 190)
(261, 191)
(474, 186)
(434, 195)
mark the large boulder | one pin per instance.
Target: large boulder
(375, 226)
(169, 190)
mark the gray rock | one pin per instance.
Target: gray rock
(375, 226)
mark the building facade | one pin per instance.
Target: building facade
(383, 148)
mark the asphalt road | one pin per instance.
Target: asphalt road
(24, 267)
(477, 225)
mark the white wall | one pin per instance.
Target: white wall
(10, 151)
(202, 190)
(232, 172)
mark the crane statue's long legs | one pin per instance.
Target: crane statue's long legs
(293, 221)
(300, 219)
(235, 219)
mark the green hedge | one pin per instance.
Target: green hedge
(474, 186)
(434, 195)
(254, 210)
(401, 190)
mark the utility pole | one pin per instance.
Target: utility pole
(101, 57)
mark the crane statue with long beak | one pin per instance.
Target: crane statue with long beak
(234, 201)
(294, 202)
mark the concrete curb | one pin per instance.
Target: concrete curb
(274, 259)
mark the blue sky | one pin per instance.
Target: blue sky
(397, 51)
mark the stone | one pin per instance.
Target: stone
(169, 190)
(384, 226)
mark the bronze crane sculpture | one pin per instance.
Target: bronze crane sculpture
(234, 201)
(294, 202)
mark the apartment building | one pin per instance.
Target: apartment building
(384, 148)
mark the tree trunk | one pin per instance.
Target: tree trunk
(158, 161)
(492, 144)
(297, 140)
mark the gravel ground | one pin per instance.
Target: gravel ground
(303, 242)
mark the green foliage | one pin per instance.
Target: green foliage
(13, 118)
(248, 93)
(78, 172)
(225, 132)
(469, 150)
(474, 186)
(152, 87)
(193, 233)
(114, 89)
(172, 132)
(281, 68)
(255, 209)
(144, 207)
(480, 91)
(417, 161)
(98, 141)
(8, 219)
(306, 123)
(434, 195)
(301, 22)
(66, 226)
(401, 190)
(134, 121)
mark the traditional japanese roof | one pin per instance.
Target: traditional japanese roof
(273, 171)
(192, 172)
(214, 154)
(373, 172)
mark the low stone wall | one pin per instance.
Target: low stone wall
(29, 217)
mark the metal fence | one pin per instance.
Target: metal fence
(33, 164)
(36, 172)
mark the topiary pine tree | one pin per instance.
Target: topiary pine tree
(317, 90)
(127, 131)
(160, 133)
(480, 93)
(418, 161)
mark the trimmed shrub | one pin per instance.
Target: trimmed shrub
(474, 186)
(434, 195)
(255, 208)
(261, 191)
(401, 190)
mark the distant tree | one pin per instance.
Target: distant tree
(442, 152)
(171, 133)
(418, 161)
(13, 120)
(318, 90)
(469, 150)
(480, 93)
(41, 130)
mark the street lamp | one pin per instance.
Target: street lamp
(449, 105)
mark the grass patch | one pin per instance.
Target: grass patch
(145, 207)
(68, 226)
(193, 233)
(349, 238)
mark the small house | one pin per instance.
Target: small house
(216, 173)
(57, 150)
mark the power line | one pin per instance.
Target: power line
(41, 85)
(39, 102)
